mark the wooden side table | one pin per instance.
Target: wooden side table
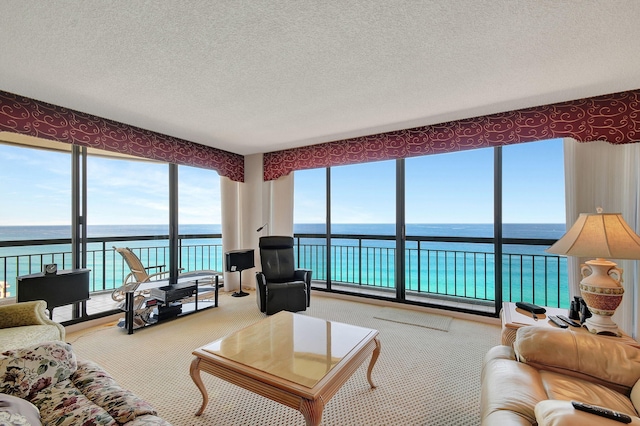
(513, 318)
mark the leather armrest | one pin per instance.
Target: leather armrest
(561, 413)
(302, 275)
(579, 354)
(261, 291)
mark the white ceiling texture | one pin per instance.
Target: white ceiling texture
(251, 76)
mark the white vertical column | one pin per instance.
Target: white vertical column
(571, 178)
(230, 226)
(282, 205)
(259, 203)
(252, 213)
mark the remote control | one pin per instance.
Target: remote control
(569, 321)
(604, 412)
(554, 319)
(531, 307)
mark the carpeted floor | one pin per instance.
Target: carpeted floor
(424, 376)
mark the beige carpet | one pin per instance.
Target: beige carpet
(424, 376)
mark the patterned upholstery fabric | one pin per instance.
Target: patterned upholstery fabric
(25, 372)
(63, 404)
(97, 385)
(70, 392)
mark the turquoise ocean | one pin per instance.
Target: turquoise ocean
(460, 268)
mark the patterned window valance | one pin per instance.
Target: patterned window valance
(26, 116)
(613, 118)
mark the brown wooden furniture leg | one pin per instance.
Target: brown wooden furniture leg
(312, 411)
(194, 371)
(374, 358)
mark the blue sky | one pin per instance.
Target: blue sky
(448, 188)
(36, 186)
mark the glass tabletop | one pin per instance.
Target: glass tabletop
(294, 347)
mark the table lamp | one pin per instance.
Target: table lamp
(603, 236)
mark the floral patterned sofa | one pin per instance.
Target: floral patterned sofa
(68, 391)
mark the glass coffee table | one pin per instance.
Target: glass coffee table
(293, 359)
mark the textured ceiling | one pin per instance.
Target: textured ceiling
(253, 76)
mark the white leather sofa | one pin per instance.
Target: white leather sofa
(534, 382)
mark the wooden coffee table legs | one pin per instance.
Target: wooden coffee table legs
(311, 409)
(194, 372)
(374, 358)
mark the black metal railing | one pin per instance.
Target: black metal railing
(108, 269)
(435, 266)
(442, 266)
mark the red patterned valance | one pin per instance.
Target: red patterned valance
(39, 119)
(613, 118)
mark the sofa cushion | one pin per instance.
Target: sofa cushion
(17, 411)
(28, 335)
(510, 389)
(62, 404)
(27, 371)
(562, 413)
(581, 355)
(97, 385)
(562, 387)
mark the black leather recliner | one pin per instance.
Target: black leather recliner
(281, 287)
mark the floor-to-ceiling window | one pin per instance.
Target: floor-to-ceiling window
(127, 204)
(36, 204)
(363, 205)
(310, 221)
(450, 196)
(472, 221)
(533, 207)
(199, 218)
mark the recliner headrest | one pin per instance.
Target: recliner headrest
(276, 242)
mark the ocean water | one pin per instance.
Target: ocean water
(460, 269)
(510, 230)
(446, 268)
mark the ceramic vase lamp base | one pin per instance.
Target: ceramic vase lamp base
(601, 289)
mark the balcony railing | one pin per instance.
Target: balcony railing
(108, 269)
(456, 267)
(434, 266)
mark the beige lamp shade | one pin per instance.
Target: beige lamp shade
(600, 235)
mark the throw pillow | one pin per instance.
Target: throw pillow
(17, 412)
(26, 371)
